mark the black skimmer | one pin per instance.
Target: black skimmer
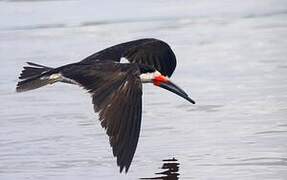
(116, 88)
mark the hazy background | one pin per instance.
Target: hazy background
(231, 60)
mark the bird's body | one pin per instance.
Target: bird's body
(116, 88)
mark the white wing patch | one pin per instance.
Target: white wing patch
(124, 60)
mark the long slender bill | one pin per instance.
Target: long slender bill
(165, 83)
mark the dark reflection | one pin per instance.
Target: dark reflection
(170, 167)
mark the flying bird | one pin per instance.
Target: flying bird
(115, 87)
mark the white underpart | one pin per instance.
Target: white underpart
(148, 77)
(124, 60)
(56, 76)
(53, 77)
(59, 77)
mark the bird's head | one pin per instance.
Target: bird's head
(153, 76)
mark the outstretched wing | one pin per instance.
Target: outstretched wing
(153, 52)
(117, 95)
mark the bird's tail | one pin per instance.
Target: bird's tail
(35, 76)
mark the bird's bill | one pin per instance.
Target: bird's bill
(165, 83)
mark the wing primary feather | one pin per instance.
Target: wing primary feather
(119, 107)
(122, 131)
(132, 135)
(123, 147)
(118, 125)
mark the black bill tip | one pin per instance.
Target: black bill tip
(177, 90)
(190, 100)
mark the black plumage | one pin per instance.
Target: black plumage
(116, 91)
(152, 52)
(116, 88)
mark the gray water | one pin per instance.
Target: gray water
(231, 60)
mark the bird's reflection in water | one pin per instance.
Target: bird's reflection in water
(170, 167)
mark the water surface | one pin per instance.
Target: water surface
(231, 59)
